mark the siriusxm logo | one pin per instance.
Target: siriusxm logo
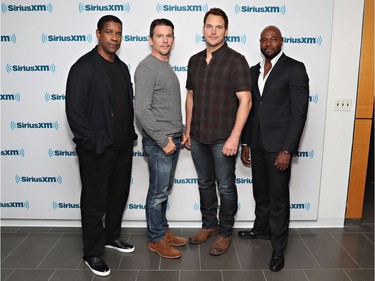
(181, 8)
(41, 125)
(305, 154)
(244, 180)
(30, 68)
(260, 9)
(25, 204)
(304, 40)
(177, 68)
(61, 153)
(62, 205)
(22, 179)
(101, 8)
(314, 99)
(300, 206)
(9, 38)
(10, 97)
(197, 206)
(13, 152)
(134, 38)
(186, 181)
(54, 97)
(66, 38)
(139, 154)
(134, 206)
(229, 39)
(26, 8)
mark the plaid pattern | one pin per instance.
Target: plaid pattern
(214, 89)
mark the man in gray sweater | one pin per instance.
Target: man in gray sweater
(158, 109)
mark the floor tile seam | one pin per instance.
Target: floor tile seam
(199, 257)
(45, 229)
(307, 277)
(53, 246)
(309, 250)
(363, 233)
(347, 275)
(53, 273)
(10, 274)
(342, 247)
(2, 260)
(237, 255)
(264, 275)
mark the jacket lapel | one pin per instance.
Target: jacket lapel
(274, 73)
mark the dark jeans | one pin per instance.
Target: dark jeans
(214, 167)
(162, 169)
(105, 188)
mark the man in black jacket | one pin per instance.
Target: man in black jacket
(99, 108)
(273, 133)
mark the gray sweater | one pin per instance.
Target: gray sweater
(158, 100)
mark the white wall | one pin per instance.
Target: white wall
(343, 74)
(344, 69)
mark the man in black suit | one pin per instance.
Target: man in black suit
(99, 108)
(273, 133)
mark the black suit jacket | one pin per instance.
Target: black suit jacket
(280, 112)
(88, 103)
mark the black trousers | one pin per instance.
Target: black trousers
(271, 194)
(105, 182)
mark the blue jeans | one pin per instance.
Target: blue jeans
(162, 169)
(214, 167)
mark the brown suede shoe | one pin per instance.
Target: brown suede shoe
(163, 249)
(202, 235)
(174, 240)
(220, 246)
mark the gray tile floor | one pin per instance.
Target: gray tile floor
(54, 254)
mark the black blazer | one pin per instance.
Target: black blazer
(280, 113)
(88, 103)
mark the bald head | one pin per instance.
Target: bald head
(271, 42)
(272, 28)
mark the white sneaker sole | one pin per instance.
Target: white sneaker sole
(96, 272)
(131, 250)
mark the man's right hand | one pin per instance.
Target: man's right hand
(245, 155)
(170, 148)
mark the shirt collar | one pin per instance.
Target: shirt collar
(273, 61)
(219, 51)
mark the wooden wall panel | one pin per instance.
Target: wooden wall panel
(358, 168)
(365, 99)
(363, 121)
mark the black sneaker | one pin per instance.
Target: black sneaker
(121, 246)
(97, 265)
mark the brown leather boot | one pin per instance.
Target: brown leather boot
(202, 235)
(174, 240)
(163, 249)
(220, 246)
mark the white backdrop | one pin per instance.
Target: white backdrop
(41, 40)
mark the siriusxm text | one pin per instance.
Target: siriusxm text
(39, 179)
(265, 9)
(27, 8)
(22, 125)
(69, 38)
(97, 8)
(12, 205)
(183, 8)
(10, 152)
(31, 68)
